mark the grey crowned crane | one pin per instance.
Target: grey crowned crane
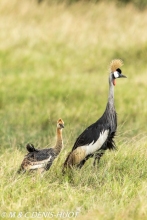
(43, 159)
(99, 136)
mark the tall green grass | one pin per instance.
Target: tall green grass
(54, 63)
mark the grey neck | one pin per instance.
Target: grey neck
(110, 114)
(111, 92)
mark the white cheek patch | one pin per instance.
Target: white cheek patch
(116, 75)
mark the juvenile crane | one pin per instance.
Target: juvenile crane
(43, 159)
(99, 136)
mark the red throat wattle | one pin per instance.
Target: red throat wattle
(114, 82)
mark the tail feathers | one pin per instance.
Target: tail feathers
(31, 148)
(111, 144)
(68, 163)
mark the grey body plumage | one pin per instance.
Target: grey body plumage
(103, 128)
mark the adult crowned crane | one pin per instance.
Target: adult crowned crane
(99, 136)
(42, 159)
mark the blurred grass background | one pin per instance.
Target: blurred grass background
(54, 60)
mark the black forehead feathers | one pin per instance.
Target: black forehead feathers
(118, 70)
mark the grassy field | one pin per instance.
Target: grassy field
(54, 63)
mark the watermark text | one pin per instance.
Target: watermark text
(37, 215)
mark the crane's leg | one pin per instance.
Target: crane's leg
(83, 161)
(81, 164)
(97, 157)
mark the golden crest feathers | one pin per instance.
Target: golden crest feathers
(115, 64)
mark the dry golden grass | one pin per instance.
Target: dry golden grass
(103, 24)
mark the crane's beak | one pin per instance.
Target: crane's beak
(62, 126)
(122, 76)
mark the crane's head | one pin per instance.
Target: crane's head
(115, 70)
(60, 124)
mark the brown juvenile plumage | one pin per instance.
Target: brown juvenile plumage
(43, 159)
